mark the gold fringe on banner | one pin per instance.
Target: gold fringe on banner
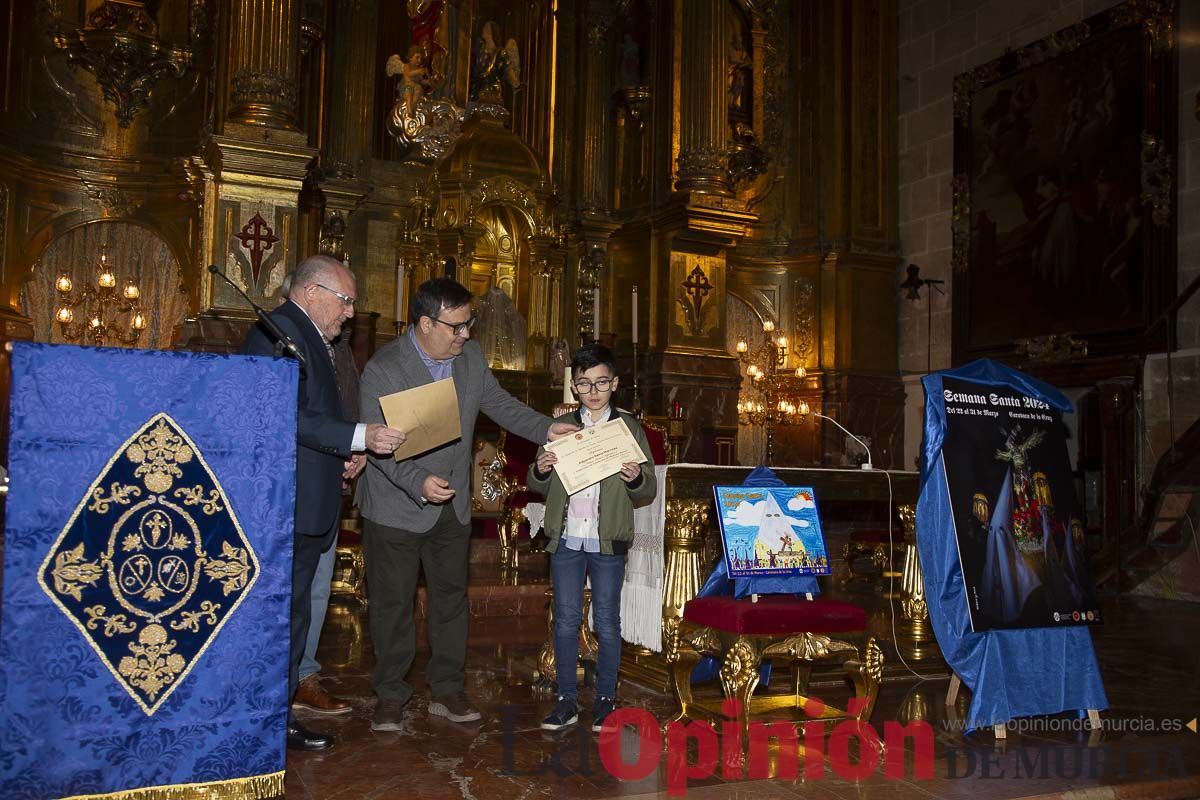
(256, 787)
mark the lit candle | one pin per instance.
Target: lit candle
(769, 326)
(567, 396)
(400, 290)
(741, 346)
(635, 317)
(596, 313)
(64, 283)
(64, 315)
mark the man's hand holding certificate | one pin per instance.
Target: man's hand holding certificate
(590, 455)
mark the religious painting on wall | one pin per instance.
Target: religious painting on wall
(1012, 496)
(771, 531)
(1063, 153)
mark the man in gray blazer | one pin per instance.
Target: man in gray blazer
(417, 512)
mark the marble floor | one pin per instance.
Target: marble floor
(1148, 651)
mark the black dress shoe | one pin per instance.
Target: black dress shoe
(301, 738)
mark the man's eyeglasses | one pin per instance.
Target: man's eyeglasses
(585, 386)
(459, 328)
(346, 299)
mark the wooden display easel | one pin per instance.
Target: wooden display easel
(1000, 729)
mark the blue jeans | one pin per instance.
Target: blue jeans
(567, 571)
(320, 603)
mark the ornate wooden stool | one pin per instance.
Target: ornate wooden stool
(783, 629)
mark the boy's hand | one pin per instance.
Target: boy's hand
(546, 461)
(630, 470)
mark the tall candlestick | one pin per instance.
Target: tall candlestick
(400, 290)
(596, 313)
(635, 339)
(567, 396)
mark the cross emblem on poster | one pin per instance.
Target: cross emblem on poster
(257, 237)
(697, 287)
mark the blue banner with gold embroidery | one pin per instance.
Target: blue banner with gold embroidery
(147, 566)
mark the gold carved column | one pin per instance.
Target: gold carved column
(701, 127)
(253, 168)
(850, 137)
(594, 169)
(264, 53)
(346, 141)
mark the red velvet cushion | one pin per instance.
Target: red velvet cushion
(348, 538)
(658, 445)
(518, 455)
(775, 615)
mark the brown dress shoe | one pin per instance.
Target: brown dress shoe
(311, 697)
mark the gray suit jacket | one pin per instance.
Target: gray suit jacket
(389, 492)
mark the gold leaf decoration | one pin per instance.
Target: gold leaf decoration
(195, 496)
(71, 572)
(232, 572)
(121, 494)
(158, 455)
(154, 663)
(190, 620)
(114, 624)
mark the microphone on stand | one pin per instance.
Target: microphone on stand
(282, 341)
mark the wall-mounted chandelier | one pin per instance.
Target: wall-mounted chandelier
(97, 310)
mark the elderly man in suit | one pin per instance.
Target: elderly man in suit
(417, 511)
(330, 448)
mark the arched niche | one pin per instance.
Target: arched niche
(500, 265)
(501, 254)
(132, 250)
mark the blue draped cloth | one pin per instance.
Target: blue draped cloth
(147, 569)
(719, 583)
(1011, 673)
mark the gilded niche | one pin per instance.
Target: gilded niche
(152, 563)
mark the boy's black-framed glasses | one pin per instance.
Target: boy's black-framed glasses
(585, 386)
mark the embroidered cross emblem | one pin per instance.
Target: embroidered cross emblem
(697, 287)
(257, 237)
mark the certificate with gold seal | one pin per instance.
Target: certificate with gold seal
(592, 454)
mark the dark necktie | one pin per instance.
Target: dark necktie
(332, 356)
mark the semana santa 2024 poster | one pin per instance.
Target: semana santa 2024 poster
(1018, 525)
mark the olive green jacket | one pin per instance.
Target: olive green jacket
(617, 498)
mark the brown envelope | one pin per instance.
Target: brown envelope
(428, 415)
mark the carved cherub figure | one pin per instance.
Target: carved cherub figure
(412, 78)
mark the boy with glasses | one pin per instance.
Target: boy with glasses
(589, 534)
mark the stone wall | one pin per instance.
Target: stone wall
(939, 39)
